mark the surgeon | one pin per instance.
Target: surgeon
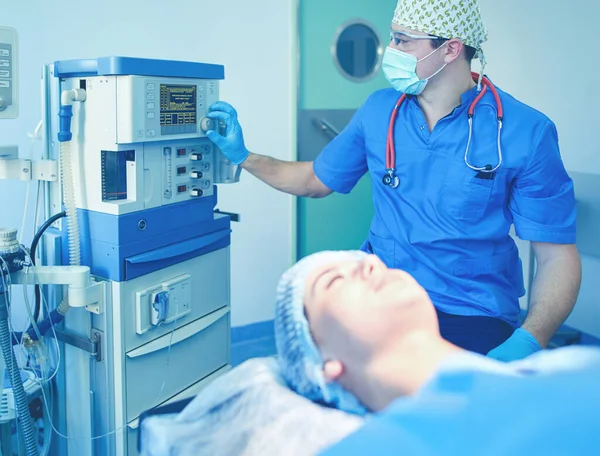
(454, 162)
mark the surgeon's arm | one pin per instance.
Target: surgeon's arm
(555, 289)
(542, 203)
(296, 178)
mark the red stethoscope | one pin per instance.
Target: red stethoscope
(392, 180)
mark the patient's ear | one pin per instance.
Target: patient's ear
(332, 370)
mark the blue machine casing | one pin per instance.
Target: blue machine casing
(127, 66)
(124, 247)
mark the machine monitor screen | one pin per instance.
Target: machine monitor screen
(177, 105)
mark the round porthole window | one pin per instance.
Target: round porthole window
(357, 51)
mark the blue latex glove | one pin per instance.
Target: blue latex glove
(232, 144)
(518, 346)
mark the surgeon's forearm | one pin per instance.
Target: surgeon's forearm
(554, 291)
(295, 178)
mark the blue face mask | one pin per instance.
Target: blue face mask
(400, 70)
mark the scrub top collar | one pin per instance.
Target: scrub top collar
(466, 100)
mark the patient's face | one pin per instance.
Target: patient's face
(355, 308)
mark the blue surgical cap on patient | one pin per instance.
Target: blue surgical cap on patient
(300, 360)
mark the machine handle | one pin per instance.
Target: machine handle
(181, 248)
(179, 335)
(232, 215)
(327, 128)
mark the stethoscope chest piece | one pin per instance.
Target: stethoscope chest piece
(390, 179)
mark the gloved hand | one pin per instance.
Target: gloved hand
(518, 346)
(232, 144)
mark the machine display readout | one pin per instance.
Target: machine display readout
(177, 104)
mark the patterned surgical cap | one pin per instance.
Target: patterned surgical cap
(444, 18)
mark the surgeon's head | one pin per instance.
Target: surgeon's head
(429, 36)
(337, 313)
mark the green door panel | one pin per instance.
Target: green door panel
(337, 222)
(321, 85)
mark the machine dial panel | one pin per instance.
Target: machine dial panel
(187, 167)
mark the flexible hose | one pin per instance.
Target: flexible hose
(24, 417)
(69, 201)
(36, 239)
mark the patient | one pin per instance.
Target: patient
(352, 335)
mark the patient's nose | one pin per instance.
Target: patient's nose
(372, 265)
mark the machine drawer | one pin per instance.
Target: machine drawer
(206, 280)
(196, 350)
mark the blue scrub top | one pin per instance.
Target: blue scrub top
(446, 224)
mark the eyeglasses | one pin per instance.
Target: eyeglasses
(407, 41)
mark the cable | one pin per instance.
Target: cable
(23, 220)
(24, 421)
(108, 434)
(35, 332)
(116, 430)
(40, 232)
(45, 304)
(34, 244)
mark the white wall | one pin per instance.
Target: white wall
(545, 53)
(254, 40)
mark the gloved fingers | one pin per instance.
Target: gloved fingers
(230, 122)
(216, 138)
(224, 107)
(220, 115)
(519, 345)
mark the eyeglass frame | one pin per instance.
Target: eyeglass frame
(413, 37)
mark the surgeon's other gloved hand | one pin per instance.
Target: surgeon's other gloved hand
(518, 346)
(232, 143)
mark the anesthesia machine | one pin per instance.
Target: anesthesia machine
(133, 239)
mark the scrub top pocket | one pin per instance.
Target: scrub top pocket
(383, 248)
(466, 193)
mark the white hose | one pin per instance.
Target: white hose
(68, 187)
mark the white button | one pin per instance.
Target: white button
(150, 106)
(4, 83)
(150, 96)
(4, 63)
(150, 115)
(150, 133)
(150, 86)
(4, 74)
(4, 52)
